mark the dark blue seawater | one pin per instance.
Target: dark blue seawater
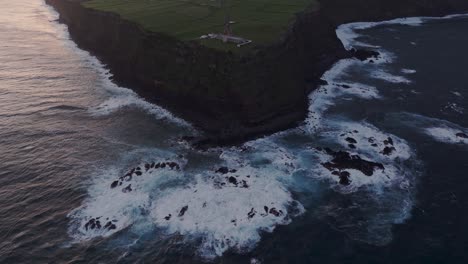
(69, 137)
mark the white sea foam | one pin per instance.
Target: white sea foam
(438, 129)
(408, 71)
(223, 213)
(348, 35)
(447, 134)
(386, 76)
(325, 96)
(114, 205)
(225, 216)
(370, 144)
(454, 107)
(119, 97)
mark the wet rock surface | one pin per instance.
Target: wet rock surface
(462, 135)
(342, 160)
(96, 224)
(148, 167)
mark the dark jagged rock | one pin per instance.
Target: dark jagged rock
(138, 169)
(138, 173)
(251, 213)
(232, 180)
(173, 165)
(345, 178)
(147, 166)
(351, 146)
(152, 165)
(266, 209)
(91, 224)
(343, 160)
(114, 184)
(322, 82)
(275, 212)
(351, 140)
(388, 141)
(109, 225)
(244, 184)
(222, 170)
(168, 217)
(127, 189)
(374, 145)
(388, 150)
(462, 135)
(183, 210)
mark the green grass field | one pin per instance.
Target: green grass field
(262, 21)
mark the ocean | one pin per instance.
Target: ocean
(92, 173)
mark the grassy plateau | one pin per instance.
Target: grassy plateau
(262, 21)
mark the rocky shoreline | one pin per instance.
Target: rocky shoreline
(233, 97)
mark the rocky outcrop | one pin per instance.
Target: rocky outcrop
(230, 96)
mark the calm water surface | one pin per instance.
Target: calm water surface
(67, 133)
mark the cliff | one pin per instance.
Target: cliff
(230, 96)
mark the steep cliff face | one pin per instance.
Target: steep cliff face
(229, 96)
(232, 97)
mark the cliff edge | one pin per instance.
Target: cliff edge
(232, 97)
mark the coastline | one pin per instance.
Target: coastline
(275, 80)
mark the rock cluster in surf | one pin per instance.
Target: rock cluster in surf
(342, 161)
(139, 172)
(98, 223)
(387, 143)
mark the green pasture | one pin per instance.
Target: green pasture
(262, 21)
